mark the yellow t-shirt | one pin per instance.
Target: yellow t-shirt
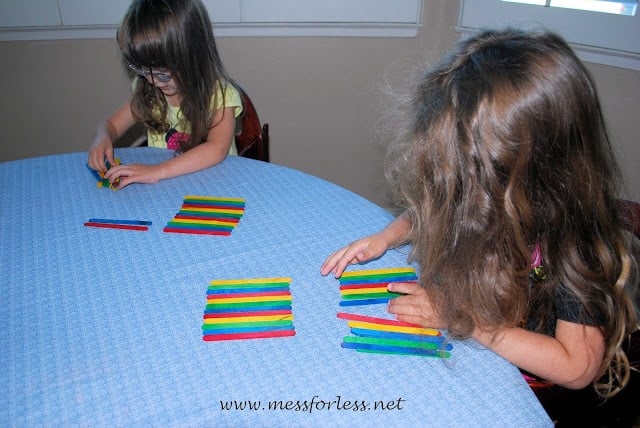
(179, 126)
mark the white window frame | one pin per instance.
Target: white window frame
(69, 19)
(597, 37)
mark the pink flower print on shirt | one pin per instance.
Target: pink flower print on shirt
(175, 139)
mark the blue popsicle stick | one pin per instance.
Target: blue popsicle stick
(94, 172)
(364, 302)
(378, 334)
(113, 221)
(395, 350)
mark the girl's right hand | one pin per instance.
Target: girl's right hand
(360, 251)
(101, 149)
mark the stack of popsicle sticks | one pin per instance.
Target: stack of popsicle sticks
(248, 309)
(385, 336)
(366, 287)
(207, 215)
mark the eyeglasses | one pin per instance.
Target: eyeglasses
(146, 72)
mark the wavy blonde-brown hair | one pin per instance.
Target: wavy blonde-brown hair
(505, 147)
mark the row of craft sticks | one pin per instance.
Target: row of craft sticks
(248, 309)
(367, 287)
(207, 215)
(384, 336)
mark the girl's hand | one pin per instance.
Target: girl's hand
(360, 251)
(414, 307)
(101, 149)
(133, 173)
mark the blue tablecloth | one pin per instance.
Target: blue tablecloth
(102, 327)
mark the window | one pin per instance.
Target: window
(606, 38)
(58, 19)
(604, 6)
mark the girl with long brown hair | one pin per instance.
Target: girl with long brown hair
(509, 184)
(182, 93)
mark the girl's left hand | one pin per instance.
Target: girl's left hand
(414, 307)
(133, 173)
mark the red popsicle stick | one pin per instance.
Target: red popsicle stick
(116, 226)
(253, 335)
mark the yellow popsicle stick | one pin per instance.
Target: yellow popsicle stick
(216, 210)
(364, 290)
(394, 328)
(249, 281)
(248, 299)
(211, 222)
(213, 198)
(378, 271)
(228, 320)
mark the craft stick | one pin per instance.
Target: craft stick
(363, 332)
(379, 271)
(213, 198)
(366, 285)
(375, 320)
(385, 278)
(216, 214)
(201, 226)
(212, 206)
(242, 295)
(94, 172)
(396, 350)
(233, 211)
(214, 300)
(361, 296)
(113, 221)
(226, 330)
(196, 231)
(207, 218)
(363, 290)
(253, 335)
(393, 328)
(205, 221)
(117, 226)
(279, 304)
(263, 282)
(249, 321)
(420, 344)
(248, 309)
(361, 302)
(211, 290)
(442, 354)
(244, 314)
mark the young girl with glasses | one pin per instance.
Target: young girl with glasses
(505, 169)
(182, 95)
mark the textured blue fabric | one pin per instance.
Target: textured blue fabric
(101, 327)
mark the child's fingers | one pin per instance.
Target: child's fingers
(330, 264)
(405, 288)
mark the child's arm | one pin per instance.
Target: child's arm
(368, 248)
(106, 134)
(571, 359)
(211, 152)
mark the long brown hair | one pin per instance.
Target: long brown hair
(175, 35)
(506, 148)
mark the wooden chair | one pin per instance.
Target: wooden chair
(252, 137)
